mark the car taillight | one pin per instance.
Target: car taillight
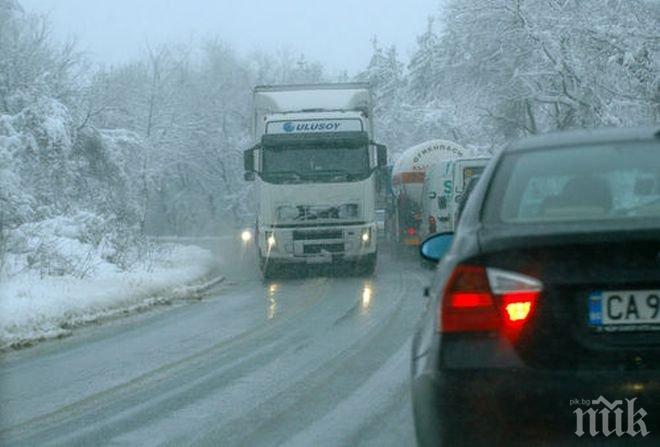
(411, 231)
(480, 299)
(432, 225)
(467, 304)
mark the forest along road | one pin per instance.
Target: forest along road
(317, 360)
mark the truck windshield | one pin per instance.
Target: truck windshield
(471, 171)
(306, 164)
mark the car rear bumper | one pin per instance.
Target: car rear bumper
(509, 407)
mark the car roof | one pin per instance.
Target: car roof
(584, 137)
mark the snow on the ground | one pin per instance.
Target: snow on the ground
(34, 307)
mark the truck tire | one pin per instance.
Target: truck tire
(268, 268)
(269, 272)
(367, 265)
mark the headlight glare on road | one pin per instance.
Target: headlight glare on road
(366, 296)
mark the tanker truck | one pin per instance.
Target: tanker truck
(315, 167)
(408, 175)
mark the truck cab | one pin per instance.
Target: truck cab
(444, 186)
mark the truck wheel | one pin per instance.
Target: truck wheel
(269, 272)
(367, 265)
(268, 268)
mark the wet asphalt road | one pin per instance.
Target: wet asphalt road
(321, 359)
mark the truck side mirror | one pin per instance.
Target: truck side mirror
(381, 155)
(248, 164)
(248, 160)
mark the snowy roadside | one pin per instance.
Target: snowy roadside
(33, 308)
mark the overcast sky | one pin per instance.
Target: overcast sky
(338, 33)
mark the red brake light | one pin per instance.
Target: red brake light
(467, 304)
(432, 225)
(411, 231)
(477, 299)
(470, 299)
(518, 306)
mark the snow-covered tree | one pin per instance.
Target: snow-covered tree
(500, 69)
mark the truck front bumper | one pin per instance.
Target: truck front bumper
(318, 244)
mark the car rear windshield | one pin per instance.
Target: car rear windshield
(596, 182)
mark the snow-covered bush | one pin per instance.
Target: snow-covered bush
(49, 176)
(59, 246)
(71, 197)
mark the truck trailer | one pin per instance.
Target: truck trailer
(315, 166)
(407, 182)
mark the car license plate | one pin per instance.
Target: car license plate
(634, 310)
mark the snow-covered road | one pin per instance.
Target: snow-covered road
(298, 361)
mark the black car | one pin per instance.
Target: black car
(543, 325)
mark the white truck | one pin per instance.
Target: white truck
(315, 165)
(444, 185)
(408, 176)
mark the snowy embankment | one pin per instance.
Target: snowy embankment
(35, 307)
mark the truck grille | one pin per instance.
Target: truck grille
(317, 235)
(316, 213)
(313, 249)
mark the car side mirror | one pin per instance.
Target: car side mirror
(381, 155)
(435, 247)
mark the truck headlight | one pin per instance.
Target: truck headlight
(366, 235)
(246, 236)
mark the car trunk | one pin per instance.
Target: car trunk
(561, 333)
